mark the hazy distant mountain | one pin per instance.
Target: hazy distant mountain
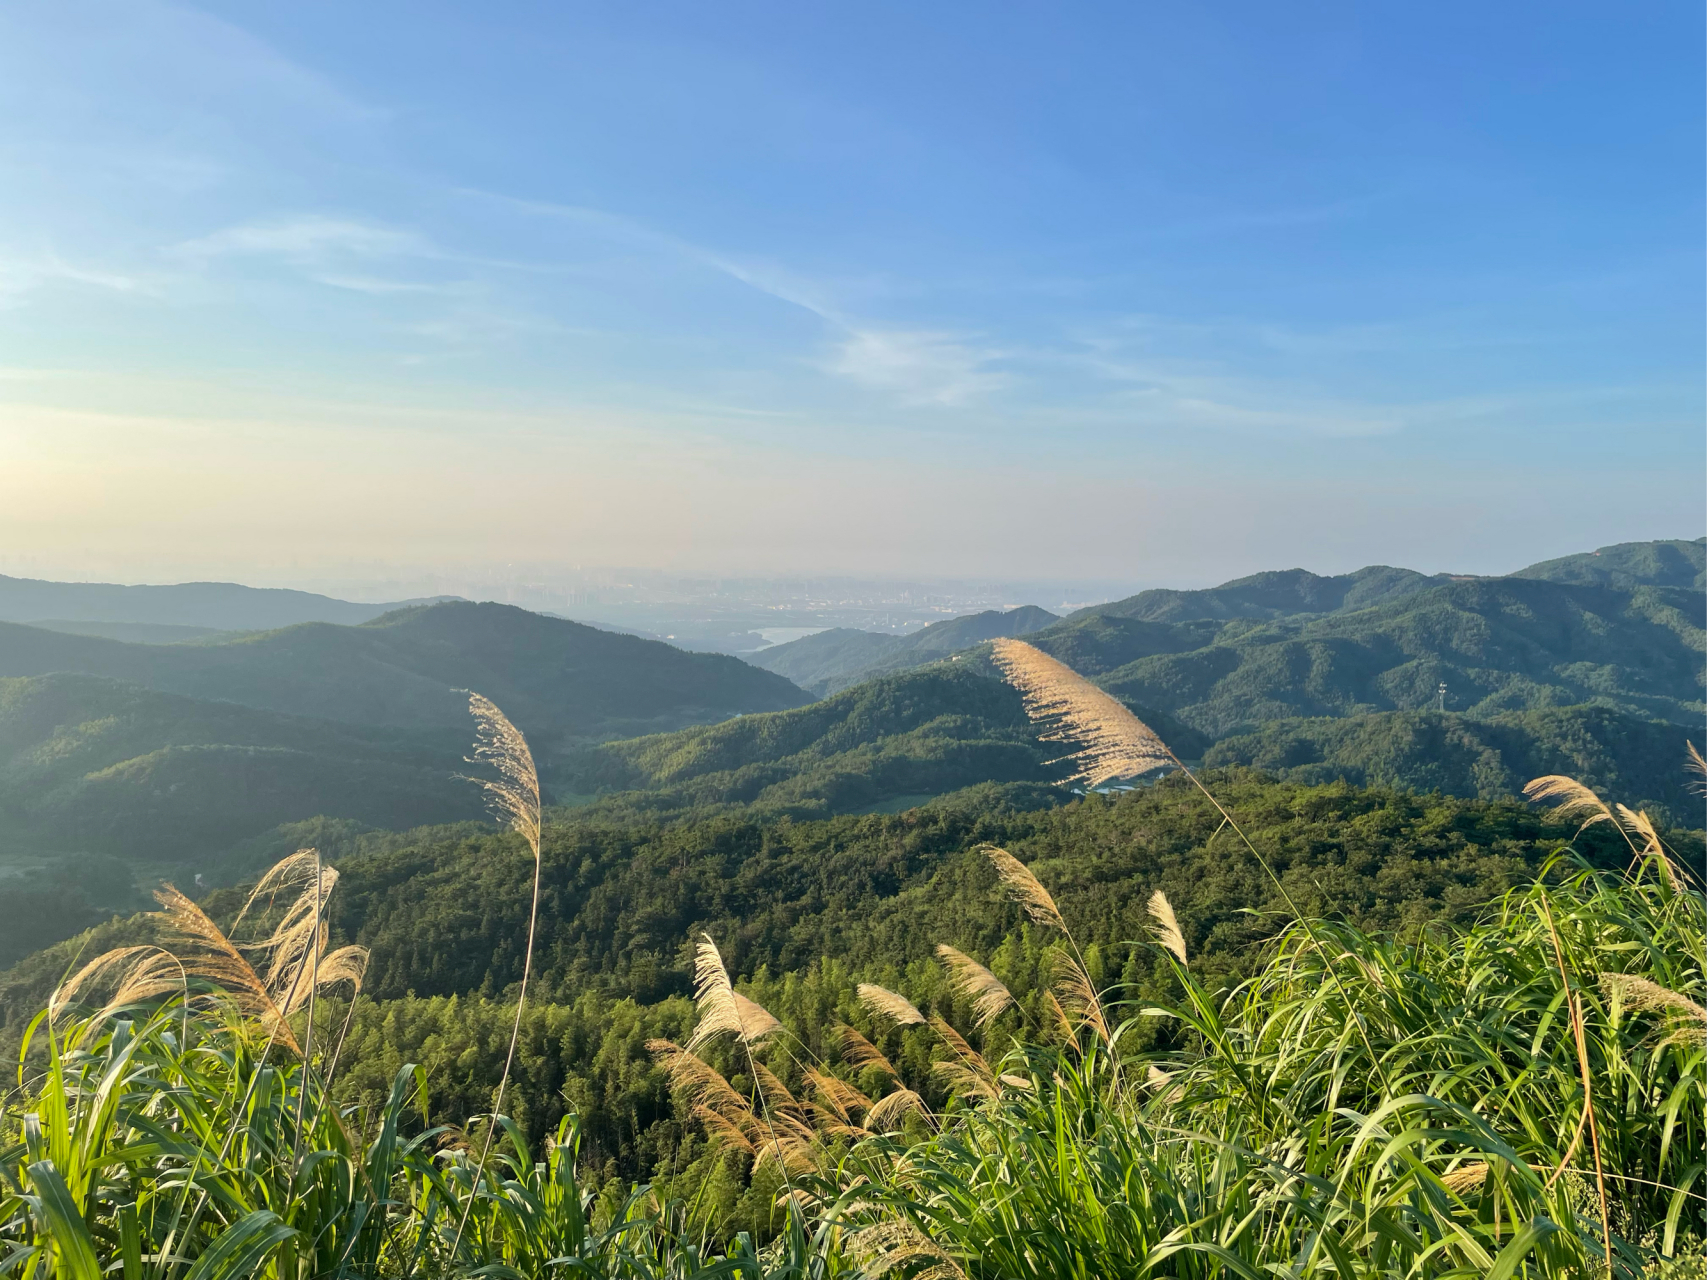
(1627, 565)
(559, 680)
(1276, 594)
(835, 659)
(131, 632)
(219, 606)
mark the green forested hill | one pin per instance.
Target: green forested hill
(898, 740)
(841, 657)
(804, 910)
(1615, 754)
(1498, 645)
(1274, 594)
(89, 764)
(901, 738)
(559, 680)
(1628, 565)
(1622, 625)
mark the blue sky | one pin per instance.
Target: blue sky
(1165, 293)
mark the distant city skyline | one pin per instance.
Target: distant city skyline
(1156, 295)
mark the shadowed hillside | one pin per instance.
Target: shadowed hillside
(559, 680)
(88, 764)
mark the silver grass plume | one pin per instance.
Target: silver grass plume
(1577, 798)
(988, 993)
(513, 795)
(1111, 741)
(884, 1003)
(1167, 931)
(1025, 888)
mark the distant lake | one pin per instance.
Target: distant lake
(782, 635)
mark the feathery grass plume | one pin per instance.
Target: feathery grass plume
(207, 953)
(757, 1024)
(886, 1246)
(722, 1009)
(1057, 1022)
(1025, 888)
(884, 1003)
(1167, 931)
(1653, 848)
(1113, 743)
(1641, 995)
(513, 796)
(1466, 1177)
(968, 1071)
(136, 973)
(836, 1105)
(859, 1053)
(989, 995)
(1076, 995)
(891, 1109)
(1016, 1081)
(1577, 798)
(1698, 766)
(703, 1083)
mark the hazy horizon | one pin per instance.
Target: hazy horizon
(311, 295)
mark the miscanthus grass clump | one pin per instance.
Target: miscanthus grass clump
(1524, 1097)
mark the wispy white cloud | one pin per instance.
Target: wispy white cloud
(920, 368)
(24, 275)
(306, 240)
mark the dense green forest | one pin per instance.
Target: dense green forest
(805, 909)
(900, 739)
(181, 760)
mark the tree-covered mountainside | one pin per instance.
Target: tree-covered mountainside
(1613, 753)
(89, 764)
(559, 680)
(1292, 643)
(805, 909)
(1504, 644)
(894, 739)
(900, 739)
(216, 606)
(1275, 594)
(833, 660)
(1627, 565)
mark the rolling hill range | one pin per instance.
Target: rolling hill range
(1364, 621)
(842, 656)
(1286, 644)
(1497, 644)
(213, 606)
(897, 741)
(1627, 565)
(559, 680)
(89, 764)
